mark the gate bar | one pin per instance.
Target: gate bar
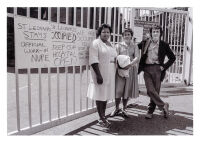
(114, 25)
(17, 86)
(172, 32)
(58, 92)
(74, 89)
(81, 88)
(99, 16)
(67, 16)
(88, 18)
(40, 95)
(87, 85)
(118, 25)
(49, 91)
(105, 15)
(94, 21)
(66, 73)
(185, 43)
(29, 98)
(29, 83)
(162, 24)
(181, 53)
(178, 43)
(165, 16)
(81, 17)
(74, 16)
(175, 47)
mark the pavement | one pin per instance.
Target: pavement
(180, 121)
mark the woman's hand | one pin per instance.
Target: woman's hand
(99, 79)
(98, 74)
(133, 62)
(127, 67)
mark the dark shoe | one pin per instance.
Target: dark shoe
(124, 114)
(108, 124)
(115, 113)
(166, 110)
(148, 115)
(105, 123)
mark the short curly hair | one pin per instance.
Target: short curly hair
(128, 30)
(99, 30)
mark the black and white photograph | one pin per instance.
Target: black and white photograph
(99, 70)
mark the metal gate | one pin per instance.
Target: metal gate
(174, 25)
(41, 98)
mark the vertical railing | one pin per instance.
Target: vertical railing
(171, 44)
(40, 95)
(178, 47)
(58, 72)
(118, 26)
(66, 80)
(165, 33)
(87, 70)
(175, 46)
(80, 89)
(186, 19)
(29, 84)
(49, 72)
(168, 38)
(114, 26)
(181, 46)
(17, 87)
(94, 25)
(87, 82)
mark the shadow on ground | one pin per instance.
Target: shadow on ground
(165, 92)
(178, 123)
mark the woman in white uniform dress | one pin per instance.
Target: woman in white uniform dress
(103, 68)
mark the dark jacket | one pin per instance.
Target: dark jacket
(163, 51)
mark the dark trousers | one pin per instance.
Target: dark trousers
(152, 75)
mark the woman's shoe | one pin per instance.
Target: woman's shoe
(124, 114)
(104, 123)
(115, 113)
(107, 123)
